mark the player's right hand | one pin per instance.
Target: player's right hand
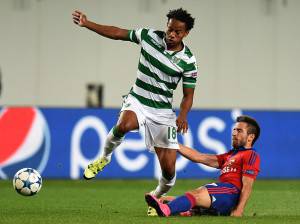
(79, 18)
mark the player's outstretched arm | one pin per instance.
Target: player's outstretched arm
(198, 157)
(245, 194)
(111, 32)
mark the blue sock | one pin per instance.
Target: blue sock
(180, 204)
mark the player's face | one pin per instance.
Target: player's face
(240, 137)
(176, 31)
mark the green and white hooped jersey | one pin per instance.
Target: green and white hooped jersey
(159, 70)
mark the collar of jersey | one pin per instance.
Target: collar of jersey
(242, 148)
(174, 52)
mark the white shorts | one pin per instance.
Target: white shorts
(157, 134)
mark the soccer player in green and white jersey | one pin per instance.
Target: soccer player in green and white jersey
(164, 61)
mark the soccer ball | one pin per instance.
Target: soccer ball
(27, 182)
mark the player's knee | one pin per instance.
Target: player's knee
(201, 196)
(168, 174)
(168, 169)
(195, 192)
(123, 128)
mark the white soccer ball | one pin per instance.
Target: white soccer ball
(27, 182)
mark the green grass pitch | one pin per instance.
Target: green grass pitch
(122, 201)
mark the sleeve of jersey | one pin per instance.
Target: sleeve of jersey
(190, 74)
(251, 165)
(135, 35)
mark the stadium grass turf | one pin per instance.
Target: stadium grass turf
(122, 201)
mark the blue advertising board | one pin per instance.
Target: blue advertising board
(60, 142)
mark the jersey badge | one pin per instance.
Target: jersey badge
(175, 60)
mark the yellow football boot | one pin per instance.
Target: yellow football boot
(151, 211)
(94, 168)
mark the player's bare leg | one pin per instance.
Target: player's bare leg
(127, 122)
(167, 160)
(201, 196)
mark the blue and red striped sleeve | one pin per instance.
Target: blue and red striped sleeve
(251, 164)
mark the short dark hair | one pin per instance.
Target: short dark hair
(253, 127)
(183, 16)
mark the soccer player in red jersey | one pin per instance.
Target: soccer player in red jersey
(239, 168)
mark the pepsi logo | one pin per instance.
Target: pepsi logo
(24, 140)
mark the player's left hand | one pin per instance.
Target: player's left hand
(182, 124)
(236, 213)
